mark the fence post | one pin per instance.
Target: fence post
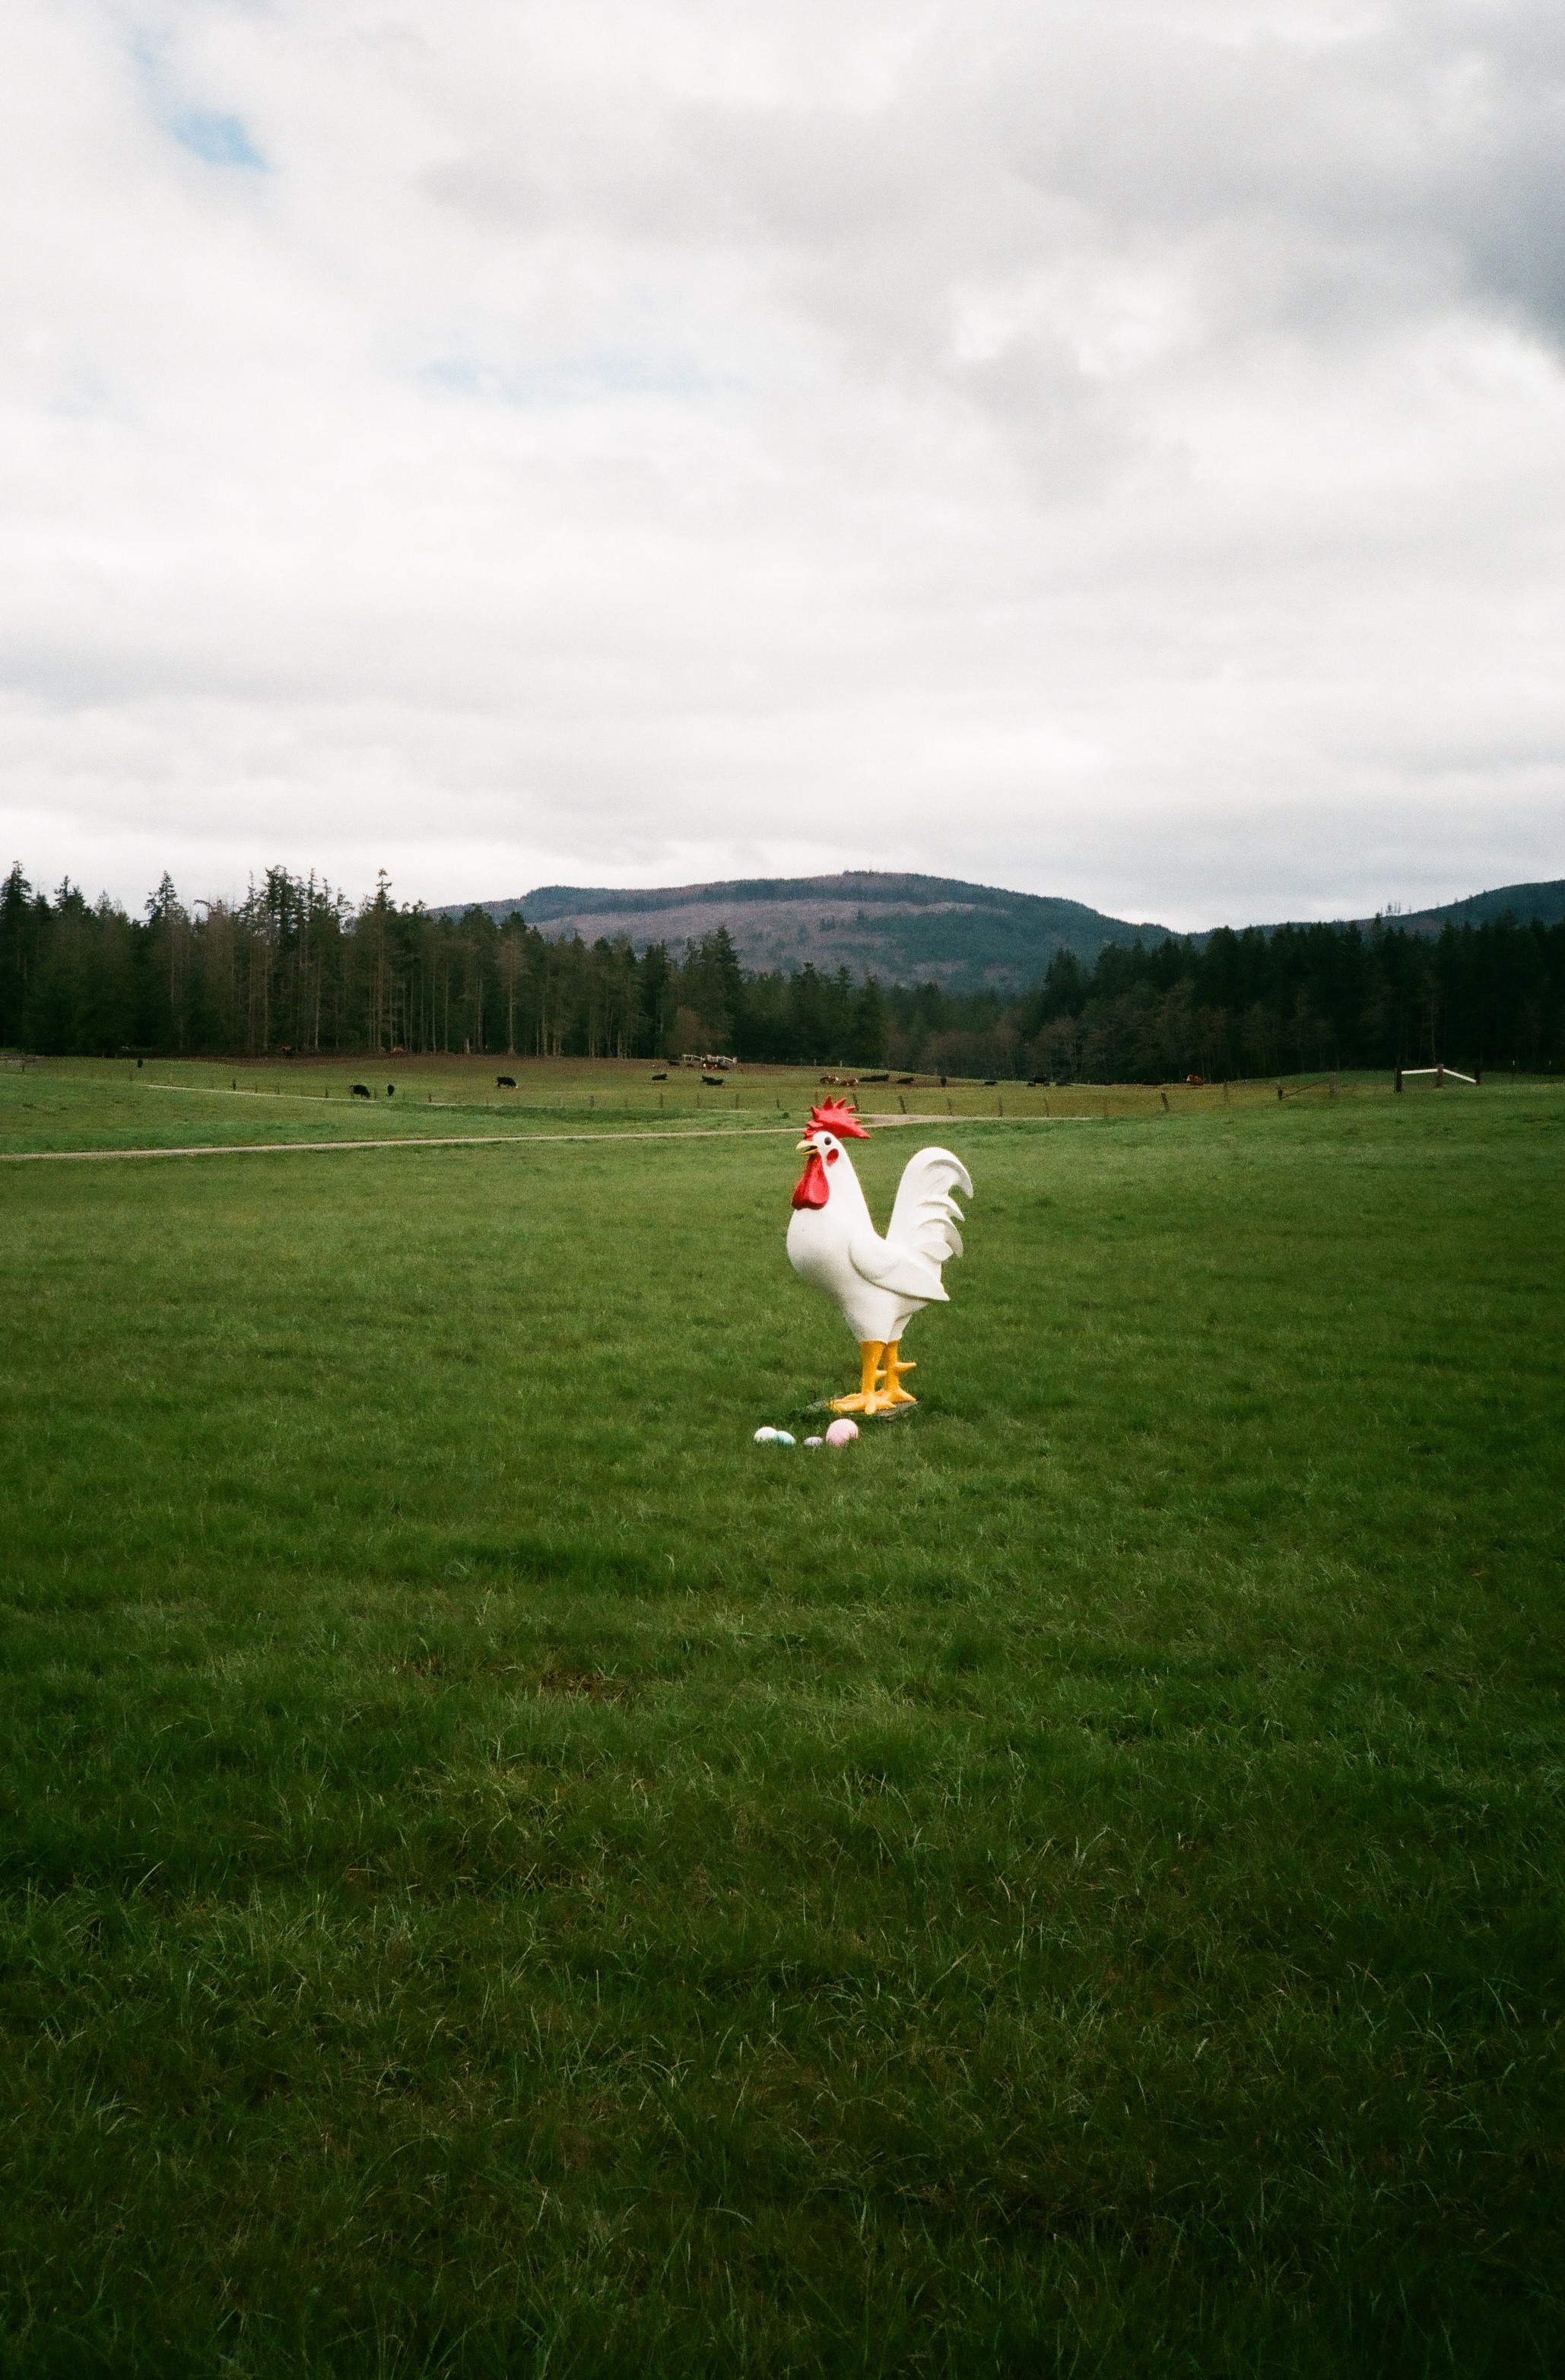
(1397, 1084)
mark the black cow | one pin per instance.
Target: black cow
(506, 1082)
(359, 1090)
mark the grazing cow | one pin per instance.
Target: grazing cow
(506, 1082)
(359, 1090)
(1197, 1081)
(660, 1074)
(390, 1090)
(717, 1082)
(904, 1079)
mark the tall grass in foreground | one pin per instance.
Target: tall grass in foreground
(503, 1877)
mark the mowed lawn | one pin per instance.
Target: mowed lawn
(502, 1876)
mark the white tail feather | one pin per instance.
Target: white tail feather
(926, 1215)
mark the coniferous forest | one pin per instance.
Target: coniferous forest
(297, 967)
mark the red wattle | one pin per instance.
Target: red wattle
(812, 1189)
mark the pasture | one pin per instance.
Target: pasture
(83, 1102)
(499, 1875)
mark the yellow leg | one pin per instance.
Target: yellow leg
(868, 1398)
(894, 1391)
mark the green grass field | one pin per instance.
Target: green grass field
(503, 1877)
(79, 1104)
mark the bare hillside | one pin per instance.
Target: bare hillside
(904, 928)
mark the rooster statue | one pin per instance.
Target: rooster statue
(879, 1284)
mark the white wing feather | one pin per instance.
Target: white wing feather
(891, 1265)
(923, 1229)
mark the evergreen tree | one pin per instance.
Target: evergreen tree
(293, 968)
(866, 1025)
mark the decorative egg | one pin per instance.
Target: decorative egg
(815, 1441)
(765, 1437)
(842, 1433)
(784, 1437)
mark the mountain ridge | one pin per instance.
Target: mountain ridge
(905, 928)
(1543, 902)
(910, 928)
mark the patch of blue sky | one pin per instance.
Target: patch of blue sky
(221, 140)
(570, 382)
(212, 134)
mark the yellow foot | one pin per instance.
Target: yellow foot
(895, 1394)
(867, 1397)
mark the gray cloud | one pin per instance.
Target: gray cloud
(1117, 454)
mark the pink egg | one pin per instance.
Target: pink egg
(842, 1433)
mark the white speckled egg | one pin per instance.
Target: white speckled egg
(765, 1437)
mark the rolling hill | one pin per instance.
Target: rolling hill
(904, 928)
(908, 929)
(1544, 903)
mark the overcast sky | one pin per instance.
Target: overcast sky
(1114, 450)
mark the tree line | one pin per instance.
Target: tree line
(297, 967)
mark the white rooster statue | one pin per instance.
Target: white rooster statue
(879, 1284)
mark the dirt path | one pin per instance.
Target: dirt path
(487, 1140)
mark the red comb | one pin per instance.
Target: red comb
(838, 1117)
